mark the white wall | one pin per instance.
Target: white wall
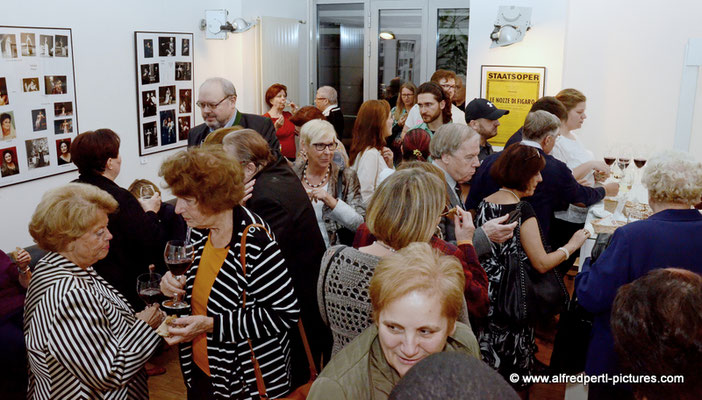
(103, 39)
(627, 58)
(542, 46)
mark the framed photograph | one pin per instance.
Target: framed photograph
(38, 109)
(511, 88)
(164, 65)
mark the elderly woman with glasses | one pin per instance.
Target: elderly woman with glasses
(335, 193)
(506, 345)
(83, 338)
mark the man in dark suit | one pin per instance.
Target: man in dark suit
(327, 101)
(217, 102)
(455, 149)
(558, 188)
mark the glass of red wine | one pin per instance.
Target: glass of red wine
(149, 287)
(178, 256)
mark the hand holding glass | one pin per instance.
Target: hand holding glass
(146, 192)
(178, 256)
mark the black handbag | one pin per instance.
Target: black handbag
(572, 339)
(524, 294)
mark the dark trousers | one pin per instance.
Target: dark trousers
(13, 382)
(559, 234)
(200, 385)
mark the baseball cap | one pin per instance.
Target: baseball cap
(481, 108)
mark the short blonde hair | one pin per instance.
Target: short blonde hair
(418, 267)
(216, 136)
(448, 138)
(209, 174)
(66, 213)
(673, 176)
(316, 130)
(406, 207)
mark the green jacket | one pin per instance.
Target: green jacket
(360, 370)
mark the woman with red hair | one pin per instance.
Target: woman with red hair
(369, 157)
(276, 99)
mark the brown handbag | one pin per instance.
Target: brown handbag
(301, 392)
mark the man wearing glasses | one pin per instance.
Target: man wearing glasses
(327, 102)
(217, 102)
(447, 80)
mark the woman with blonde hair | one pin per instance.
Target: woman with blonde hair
(368, 156)
(83, 338)
(334, 192)
(406, 208)
(416, 295)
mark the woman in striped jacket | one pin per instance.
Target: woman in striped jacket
(215, 353)
(83, 339)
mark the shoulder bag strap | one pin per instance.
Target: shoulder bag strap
(339, 186)
(260, 385)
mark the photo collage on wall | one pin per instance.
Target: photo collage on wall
(38, 118)
(164, 90)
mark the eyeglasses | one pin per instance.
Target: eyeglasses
(211, 106)
(321, 146)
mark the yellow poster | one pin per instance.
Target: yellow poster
(514, 89)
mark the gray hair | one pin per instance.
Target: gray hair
(316, 130)
(673, 176)
(448, 138)
(330, 93)
(226, 85)
(539, 124)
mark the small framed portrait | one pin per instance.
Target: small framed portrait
(61, 49)
(166, 46)
(62, 126)
(63, 109)
(28, 43)
(7, 125)
(55, 84)
(150, 135)
(30, 85)
(149, 103)
(183, 71)
(166, 95)
(183, 127)
(4, 96)
(39, 120)
(148, 48)
(37, 153)
(185, 101)
(46, 45)
(168, 128)
(185, 47)
(149, 74)
(63, 151)
(9, 165)
(8, 45)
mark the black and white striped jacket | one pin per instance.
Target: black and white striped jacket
(83, 340)
(271, 311)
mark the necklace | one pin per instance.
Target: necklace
(385, 246)
(515, 196)
(324, 179)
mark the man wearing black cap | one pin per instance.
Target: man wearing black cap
(482, 116)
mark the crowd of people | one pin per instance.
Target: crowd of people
(393, 256)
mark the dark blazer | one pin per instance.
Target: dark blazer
(280, 199)
(260, 124)
(138, 239)
(670, 238)
(336, 118)
(515, 138)
(557, 190)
